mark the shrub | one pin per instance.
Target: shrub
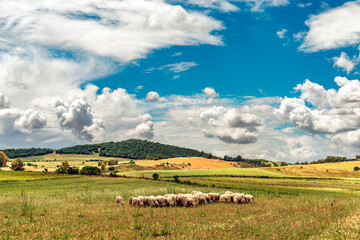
(29, 164)
(3, 159)
(65, 164)
(61, 170)
(155, 176)
(356, 168)
(132, 161)
(113, 162)
(113, 174)
(73, 170)
(176, 178)
(17, 165)
(90, 170)
(111, 168)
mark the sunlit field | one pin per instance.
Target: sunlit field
(189, 163)
(51, 206)
(337, 169)
(52, 161)
(202, 172)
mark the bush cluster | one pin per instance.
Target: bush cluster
(90, 170)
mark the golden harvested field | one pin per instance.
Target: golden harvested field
(338, 169)
(196, 163)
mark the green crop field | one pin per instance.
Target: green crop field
(51, 206)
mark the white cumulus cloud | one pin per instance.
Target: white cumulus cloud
(210, 92)
(344, 62)
(144, 130)
(78, 117)
(231, 125)
(123, 30)
(334, 28)
(281, 33)
(154, 97)
(335, 113)
(29, 121)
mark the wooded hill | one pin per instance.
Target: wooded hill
(132, 148)
(135, 149)
(26, 152)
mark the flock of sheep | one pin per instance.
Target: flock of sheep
(194, 199)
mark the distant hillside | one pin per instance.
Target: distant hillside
(135, 149)
(26, 152)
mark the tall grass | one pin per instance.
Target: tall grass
(83, 208)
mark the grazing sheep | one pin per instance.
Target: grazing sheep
(190, 202)
(239, 198)
(161, 201)
(228, 197)
(249, 198)
(147, 201)
(119, 200)
(202, 200)
(207, 198)
(141, 201)
(169, 202)
(131, 200)
(196, 198)
(222, 199)
(173, 196)
(214, 197)
(136, 201)
(154, 202)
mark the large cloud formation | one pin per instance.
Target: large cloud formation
(30, 120)
(124, 30)
(332, 112)
(334, 28)
(230, 125)
(78, 117)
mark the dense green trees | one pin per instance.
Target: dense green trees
(17, 164)
(249, 162)
(134, 149)
(26, 152)
(90, 170)
(3, 159)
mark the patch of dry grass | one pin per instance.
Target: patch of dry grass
(340, 169)
(195, 163)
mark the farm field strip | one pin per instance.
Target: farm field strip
(199, 172)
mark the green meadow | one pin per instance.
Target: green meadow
(50, 206)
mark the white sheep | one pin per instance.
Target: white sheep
(119, 200)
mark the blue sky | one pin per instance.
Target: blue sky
(273, 79)
(253, 57)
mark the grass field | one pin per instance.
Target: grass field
(51, 161)
(202, 172)
(50, 206)
(338, 169)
